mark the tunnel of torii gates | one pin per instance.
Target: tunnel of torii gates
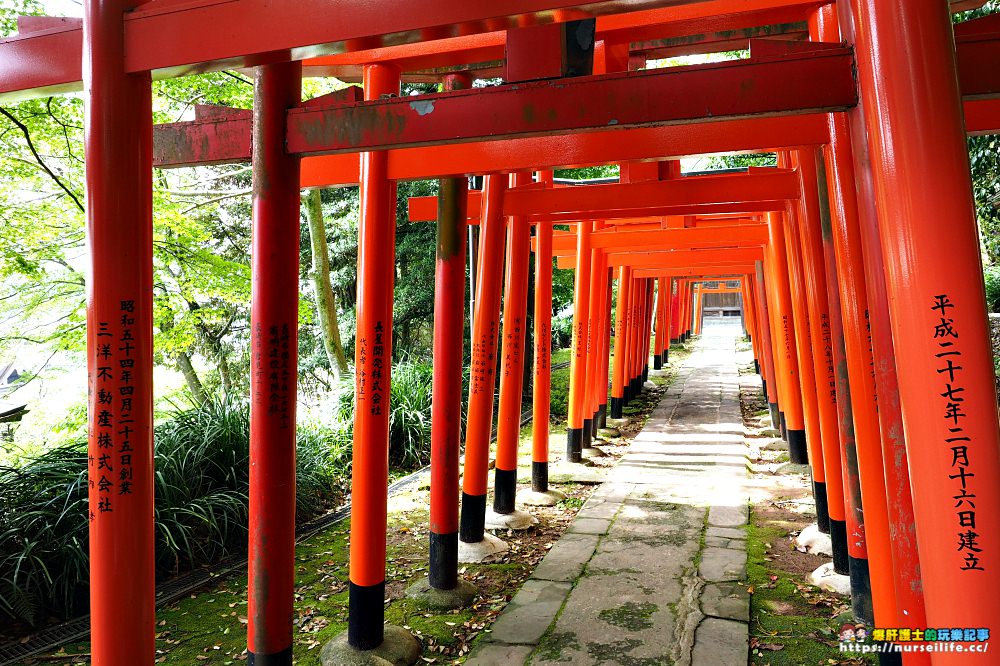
(857, 257)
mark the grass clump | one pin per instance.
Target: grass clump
(201, 458)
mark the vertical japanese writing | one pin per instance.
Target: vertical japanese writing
(868, 331)
(101, 470)
(512, 348)
(285, 377)
(484, 360)
(377, 391)
(126, 391)
(956, 440)
(831, 371)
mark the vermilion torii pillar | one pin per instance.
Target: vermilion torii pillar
(810, 237)
(783, 333)
(604, 366)
(373, 363)
(446, 416)
(274, 315)
(621, 324)
(661, 321)
(578, 360)
(118, 136)
(857, 253)
(474, 542)
(936, 303)
(595, 333)
(540, 494)
(798, 446)
(515, 307)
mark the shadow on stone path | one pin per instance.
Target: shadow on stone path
(650, 572)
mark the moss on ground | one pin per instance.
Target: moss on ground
(551, 646)
(631, 615)
(786, 628)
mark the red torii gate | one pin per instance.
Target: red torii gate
(941, 301)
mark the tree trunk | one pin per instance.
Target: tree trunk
(191, 377)
(325, 300)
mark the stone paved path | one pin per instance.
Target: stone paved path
(650, 572)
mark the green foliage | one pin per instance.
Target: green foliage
(739, 161)
(409, 412)
(562, 331)
(984, 156)
(992, 275)
(587, 173)
(202, 467)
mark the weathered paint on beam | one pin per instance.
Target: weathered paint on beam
(817, 78)
(175, 41)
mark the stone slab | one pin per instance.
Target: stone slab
(720, 643)
(729, 601)
(530, 612)
(497, 654)
(589, 526)
(567, 558)
(726, 532)
(728, 516)
(723, 564)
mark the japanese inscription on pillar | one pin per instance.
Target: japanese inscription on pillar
(831, 370)
(377, 391)
(484, 361)
(512, 348)
(110, 472)
(957, 442)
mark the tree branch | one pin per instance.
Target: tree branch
(31, 146)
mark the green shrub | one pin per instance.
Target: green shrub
(992, 276)
(562, 331)
(202, 475)
(409, 412)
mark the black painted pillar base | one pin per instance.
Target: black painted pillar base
(587, 434)
(283, 658)
(838, 541)
(616, 407)
(822, 507)
(861, 592)
(504, 490)
(783, 426)
(539, 476)
(756, 366)
(798, 452)
(472, 525)
(442, 573)
(602, 417)
(675, 341)
(645, 373)
(763, 386)
(366, 616)
(775, 418)
(658, 362)
(594, 427)
(666, 356)
(574, 444)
